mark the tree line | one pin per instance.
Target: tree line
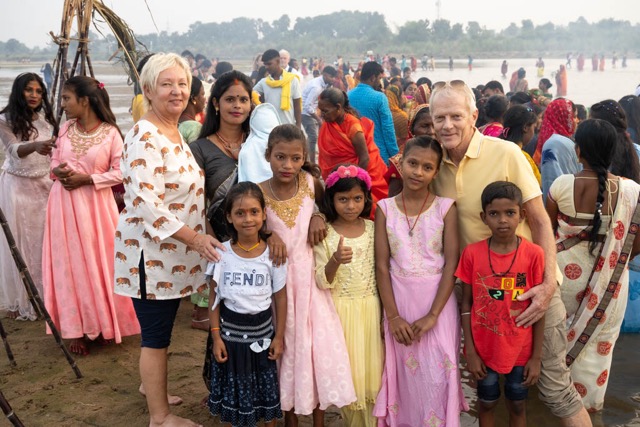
(351, 33)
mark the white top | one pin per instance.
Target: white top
(272, 96)
(32, 166)
(164, 190)
(310, 94)
(252, 164)
(246, 284)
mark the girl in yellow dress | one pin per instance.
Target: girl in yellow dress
(345, 264)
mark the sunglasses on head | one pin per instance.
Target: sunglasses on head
(451, 83)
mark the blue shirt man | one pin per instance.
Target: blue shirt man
(371, 103)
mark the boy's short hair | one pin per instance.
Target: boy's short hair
(501, 190)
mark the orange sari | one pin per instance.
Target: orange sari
(335, 148)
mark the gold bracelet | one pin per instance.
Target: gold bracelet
(391, 320)
(321, 215)
(466, 313)
(214, 329)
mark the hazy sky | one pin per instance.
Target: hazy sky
(31, 20)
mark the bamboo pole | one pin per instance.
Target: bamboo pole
(8, 411)
(7, 348)
(36, 301)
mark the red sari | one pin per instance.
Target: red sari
(335, 148)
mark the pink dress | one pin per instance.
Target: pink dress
(77, 258)
(314, 369)
(421, 382)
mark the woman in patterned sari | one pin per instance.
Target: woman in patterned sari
(595, 215)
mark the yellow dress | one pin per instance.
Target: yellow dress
(357, 303)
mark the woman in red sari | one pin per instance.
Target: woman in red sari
(345, 138)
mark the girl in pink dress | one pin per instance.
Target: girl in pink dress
(314, 370)
(82, 215)
(417, 253)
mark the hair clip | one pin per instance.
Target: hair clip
(101, 85)
(350, 171)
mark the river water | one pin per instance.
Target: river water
(622, 404)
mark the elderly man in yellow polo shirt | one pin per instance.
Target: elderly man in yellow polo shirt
(471, 162)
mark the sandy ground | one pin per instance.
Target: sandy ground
(43, 390)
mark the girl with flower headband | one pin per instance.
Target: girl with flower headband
(345, 265)
(416, 255)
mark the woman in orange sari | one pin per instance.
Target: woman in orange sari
(345, 138)
(400, 117)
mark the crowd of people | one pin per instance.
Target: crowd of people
(338, 237)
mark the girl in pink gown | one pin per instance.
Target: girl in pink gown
(314, 371)
(416, 256)
(78, 261)
(26, 128)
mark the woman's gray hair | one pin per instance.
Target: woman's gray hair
(157, 64)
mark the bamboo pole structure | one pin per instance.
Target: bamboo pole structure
(34, 297)
(82, 13)
(8, 412)
(7, 348)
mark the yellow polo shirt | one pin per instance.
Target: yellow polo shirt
(487, 160)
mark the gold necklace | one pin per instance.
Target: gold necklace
(228, 145)
(274, 193)
(250, 249)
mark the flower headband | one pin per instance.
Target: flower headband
(348, 172)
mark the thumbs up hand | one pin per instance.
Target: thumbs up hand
(343, 254)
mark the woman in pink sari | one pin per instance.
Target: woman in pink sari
(345, 138)
(78, 248)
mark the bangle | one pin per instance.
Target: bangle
(466, 313)
(394, 318)
(320, 215)
(195, 234)
(333, 257)
(214, 329)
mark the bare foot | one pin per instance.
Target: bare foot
(12, 314)
(79, 346)
(200, 318)
(173, 400)
(200, 324)
(102, 341)
(172, 420)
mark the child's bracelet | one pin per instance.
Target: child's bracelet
(466, 313)
(321, 215)
(391, 320)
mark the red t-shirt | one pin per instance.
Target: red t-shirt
(499, 342)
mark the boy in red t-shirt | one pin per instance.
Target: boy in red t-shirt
(494, 272)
